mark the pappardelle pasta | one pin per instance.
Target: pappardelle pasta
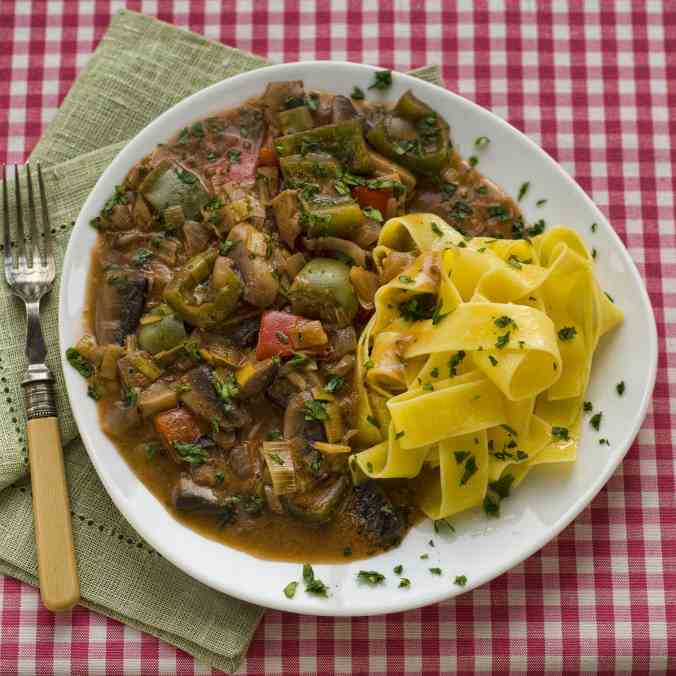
(473, 368)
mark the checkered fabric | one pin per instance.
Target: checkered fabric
(595, 84)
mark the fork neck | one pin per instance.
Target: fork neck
(36, 351)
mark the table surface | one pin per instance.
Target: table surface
(593, 83)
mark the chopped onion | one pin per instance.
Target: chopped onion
(331, 449)
(368, 234)
(111, 353)
(307, 334)
(257, 243)
(365, 285)
(395, 263)
(279, 459)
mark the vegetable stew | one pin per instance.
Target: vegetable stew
(231, 279)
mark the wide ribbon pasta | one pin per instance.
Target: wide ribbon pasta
(474, 366)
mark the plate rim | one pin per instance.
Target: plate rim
(405, 602)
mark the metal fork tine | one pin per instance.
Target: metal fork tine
(20, 233)
(7, 235)
(46, 225)
(34, 249)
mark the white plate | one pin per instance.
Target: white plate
(481, 548)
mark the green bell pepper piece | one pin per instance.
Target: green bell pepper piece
(322, 290)
(220, 302)
(344, 140)
(332, 218)
(169, 185)
(295, 120)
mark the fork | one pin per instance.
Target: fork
(30, 270)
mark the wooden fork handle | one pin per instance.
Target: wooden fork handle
(57, 569)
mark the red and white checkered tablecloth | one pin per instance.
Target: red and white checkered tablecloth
(595, 84)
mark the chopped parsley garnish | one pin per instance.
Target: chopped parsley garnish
(313, 102)
(436, 229)
(405, 279)
(503, 340)
(186, 176)
(94, 391)
(428, 387)
(347, 551)
(228, 513)
(441, 526)
(276, 458)
(226, 389)
(523, 190)
(373, 214)
(424, 556)
(130, 397)
(315, 410)
(560, 433)
(225, 246)
(460, 456)
(141, 257)
(398, 570)
(220, 477)
(492, 360)
(567, 333)
(399, 435)
(609, 297)
(470, 470)
(193, 350)
(620, 388)
(193, 454)
(357, 93)
(491, 506)
(594, 253)
(312, 584)
(368, 364)
(473, 161)
(233, 155)
(514, 262)
(595, 421)
(454, 362)
(540, 203)
(593, 227)
(604, 442)
(505, 321)
(290, 590)
(371, 577)
(299, 359)
(436, 571)
(438, 315)
(537, 228)
(152, 448)
(282, 337)
(371, 420)
(497, 211)
(382, 80)
(404, 582)
(481, 142)
(418, 308)
(79, 363)
(502, 486)
(335, 384)
(587, 407)
(434, 372)
(460, 580)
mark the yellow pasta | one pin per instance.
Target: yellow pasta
(476, 361)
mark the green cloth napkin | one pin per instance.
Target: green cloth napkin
(141, 68)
